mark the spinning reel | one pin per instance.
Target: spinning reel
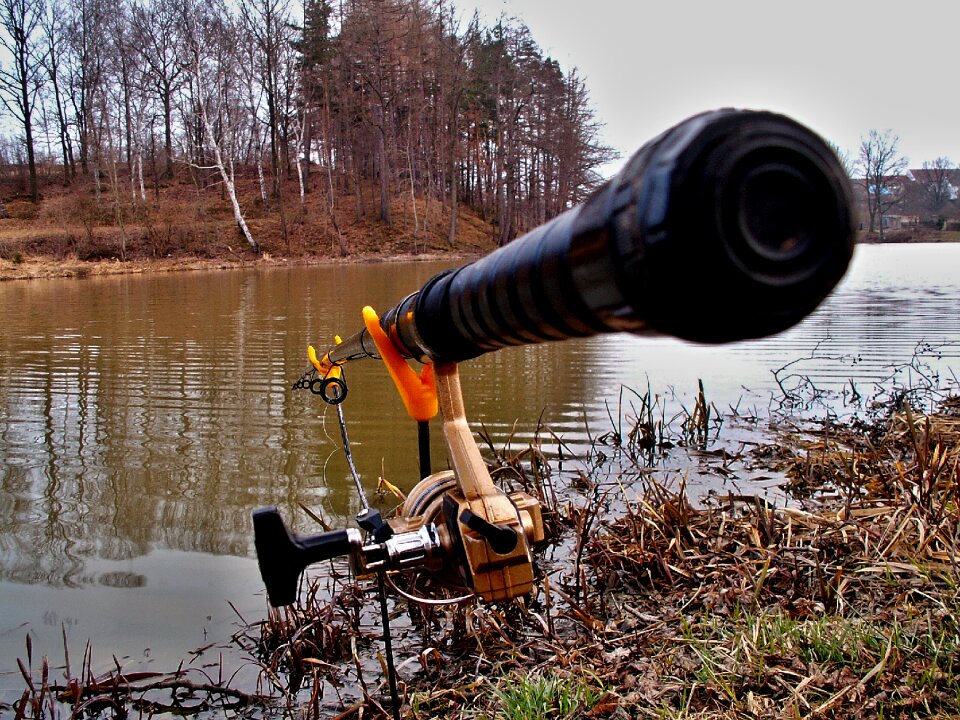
(456, 525)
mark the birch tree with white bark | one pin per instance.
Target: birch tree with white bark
(211, 43)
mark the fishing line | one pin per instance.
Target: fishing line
(430, 602)
(381, 576)
(365, 506)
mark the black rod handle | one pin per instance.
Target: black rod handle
(282, 556)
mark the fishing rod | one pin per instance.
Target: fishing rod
(728, 226)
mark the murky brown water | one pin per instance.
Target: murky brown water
(142, 418)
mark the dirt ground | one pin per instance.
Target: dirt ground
(78, 231)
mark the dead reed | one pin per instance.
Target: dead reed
(844, 608)
(53, 692)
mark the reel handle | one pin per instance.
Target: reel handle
(283, 555)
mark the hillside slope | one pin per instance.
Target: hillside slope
(79, 231)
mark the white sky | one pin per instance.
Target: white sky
(842, 67)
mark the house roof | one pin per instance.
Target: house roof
(929, 176)
(912, 197)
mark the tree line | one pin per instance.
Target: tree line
(403, 96)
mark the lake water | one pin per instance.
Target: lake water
(142, 418)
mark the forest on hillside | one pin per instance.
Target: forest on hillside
(399, 99)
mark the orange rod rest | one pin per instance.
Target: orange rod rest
(323, 365)
(418, 392)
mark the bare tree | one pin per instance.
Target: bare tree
(86, 29)
(126, 73)
(21, 78)
(317, 87)
(937, 182)
(881, 166)
(371, 40)
(268, 23)
(211, 43)
(580, 153)
(454, 53)
(249, 73)
(160, 40)
(54, 38)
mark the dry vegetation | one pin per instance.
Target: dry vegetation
(187, 225)
(919, 234)
(845, 607)
(843, 603)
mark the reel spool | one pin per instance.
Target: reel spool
(457, 524)
(437, 532)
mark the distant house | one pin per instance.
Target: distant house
(919, 197)
(897, 221)
(929, 178)
(893, 190)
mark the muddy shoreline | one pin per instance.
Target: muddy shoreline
(45, 268)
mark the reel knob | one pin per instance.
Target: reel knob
(282, 555)
(502, 539)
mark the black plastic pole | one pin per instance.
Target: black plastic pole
(388, 645)
(423, 444)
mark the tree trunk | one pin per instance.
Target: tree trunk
(454, 180)
(452, 237)
(383, 168)
(226, 173)
(31, 159)
(234, 203)
(168, 133)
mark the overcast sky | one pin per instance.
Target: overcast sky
(842, 67)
